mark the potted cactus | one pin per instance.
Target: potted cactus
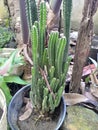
(48, 79)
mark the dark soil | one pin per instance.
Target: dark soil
(14, 87)
(38, 122)
(1, 112)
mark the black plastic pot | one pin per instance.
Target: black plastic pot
(16, 104)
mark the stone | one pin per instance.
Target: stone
(74, 35)
(80, 118)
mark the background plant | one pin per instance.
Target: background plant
(5, 36)
(6, 68)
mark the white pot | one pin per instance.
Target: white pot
(3, 120)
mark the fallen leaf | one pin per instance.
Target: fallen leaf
(28, 105)
(90, 107)
(91, 98)
(26, 100)
(94, 91)
(93, 77)
(25, 115)
(28, 110)
(88, 69)
(73, 98)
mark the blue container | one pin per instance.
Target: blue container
(16, 104)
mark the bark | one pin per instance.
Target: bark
(83, 43)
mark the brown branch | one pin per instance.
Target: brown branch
(26, 54)
(83, 43)
(47, 83)
(85, 9)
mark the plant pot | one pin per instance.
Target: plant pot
(3, 119)
(16, 104)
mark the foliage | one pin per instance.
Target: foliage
(5, 22)
(6, 68)
(49, 70)
(5, 36)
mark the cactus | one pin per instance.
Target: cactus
(49, 70)
(42, 29)
(31, 12)
(62, 44)
(67, 8)
(52, 47)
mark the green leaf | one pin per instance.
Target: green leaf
(14, 79)
(5, 89)
(6, 67)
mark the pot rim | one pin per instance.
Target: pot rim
(3, 107)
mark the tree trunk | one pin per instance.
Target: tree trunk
(15, 23)
(83, 43)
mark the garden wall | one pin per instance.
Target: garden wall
(77, 15)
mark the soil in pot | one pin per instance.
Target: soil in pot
(1, 112)
(37, 122)
(14, 88)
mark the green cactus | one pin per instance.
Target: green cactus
(31, 12)
(60, 55)
(51, 103)
(49, 70)
(58, 95)
(53, 83)
(53, 39)
(45, 57)
(67, 8)
(45, 107)
(42, 30)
